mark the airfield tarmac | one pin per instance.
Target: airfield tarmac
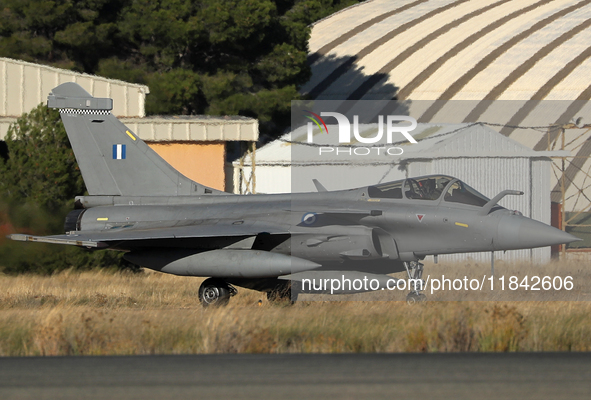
(297, 376)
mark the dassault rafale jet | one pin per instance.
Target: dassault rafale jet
(164, 221)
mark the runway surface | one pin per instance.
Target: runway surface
(342, 376)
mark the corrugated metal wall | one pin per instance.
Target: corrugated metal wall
(490, 176)
(478, 139)
(269, 179)
(419, 168)
(195, 128)
(24, 85)
(540, 201)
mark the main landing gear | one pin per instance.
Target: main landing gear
(414, 269)
(215, 292)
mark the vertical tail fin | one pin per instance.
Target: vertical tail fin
(112, 159)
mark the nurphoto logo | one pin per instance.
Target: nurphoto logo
(349, 133)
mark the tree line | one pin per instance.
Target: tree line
(216, 57)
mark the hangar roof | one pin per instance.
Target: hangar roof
(525, 51)
(434, 141)
(453, 49)
(194, 128)
(23, 85)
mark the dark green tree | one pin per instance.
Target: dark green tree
(66, 33)
(39, 179)
(41, 168)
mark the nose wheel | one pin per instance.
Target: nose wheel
(414, 298)
(414, 270)
(215, 292)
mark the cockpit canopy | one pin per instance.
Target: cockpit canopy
(430, 187)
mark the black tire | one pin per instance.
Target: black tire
(412, 299)
(214, 292)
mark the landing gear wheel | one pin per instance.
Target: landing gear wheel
(414, 298)
(215, 292)
(414, 269)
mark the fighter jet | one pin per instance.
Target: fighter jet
(139, 204)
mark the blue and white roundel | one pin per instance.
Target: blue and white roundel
(309, 218)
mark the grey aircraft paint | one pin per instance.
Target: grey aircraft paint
(138, 203)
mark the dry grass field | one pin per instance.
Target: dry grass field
(106, 313)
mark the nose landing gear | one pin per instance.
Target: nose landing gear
(414, 270)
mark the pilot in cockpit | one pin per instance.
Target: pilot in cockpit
(428, 188)
(432, 188)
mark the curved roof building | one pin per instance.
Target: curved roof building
(535, 54)
(454, 50)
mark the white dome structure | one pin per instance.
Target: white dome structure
(533, 54)
(454, 50)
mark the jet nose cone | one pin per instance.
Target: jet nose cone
(523, 233)
(537, 234)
